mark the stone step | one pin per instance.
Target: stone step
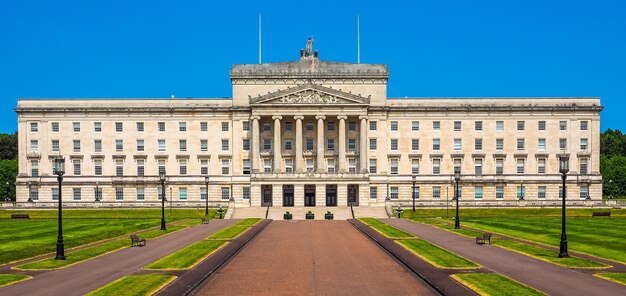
(298, 213)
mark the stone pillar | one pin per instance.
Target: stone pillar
(320, 144)
(298, 164)
(343, 165)
(256, 148)
(278, 145)
(363, 144)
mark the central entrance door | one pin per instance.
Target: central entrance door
(353, 195)
(287, 195)
(331, 195)
(266, 195)
(309, 195)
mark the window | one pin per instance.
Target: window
(161, 145)
(415, 166)
(34, 146)
(55, 127)
(373, 125)
(394, 126)
(459, 192)
(583, 144)
(520, 165)
(478, 192)
(541, 192)
(160, 193)
(246, 166)
(246, 145)
(225, 145)
(541, 166)
(562, 143)
(140, 146)
(225, 126)
(436, 192)
(393, 192)
(560, 192)
(182, 145)
(584, 192)
(310, 165)
(499, 126)
(55, 145)
(204, 145)
(330, 144)
(584, 125)
(541, 144)
(520, 143)
(141, 195)
(76, 164)
(457, 126)
(225, 167)
(562, 125)
(309, 126)
(97, 145)
(34, 168)
(478, 166)
(288, 145)
(415, 144)
(352, 165)
(76, 126)
(119, 167)
(119, 193)
(34, 127)
(267, 165)
(373, 192)
(436, 144)
(457, 144)
(499, 166)
(394, 144)
(436, 166)
(416, 193)
(55, 193)
(331, 165)
(267, 144)
(309, 144)
(521, 192)
(542, 125)
(394, 166)
(246, 192)
(583, 166)
(204, 166)
(373, 144)
(76, 145)
(97, 163)
(499, 144)
(75, 195)
(478, 126)
(436, 126)
(499, 192)
(182, 126)
(288, 126)
(119, 127)
(161, 126)
(161, 166)
(288, 165)
(182, 193)
(457, 165)
(478, 144)
(225, 193)
(119, 145)
(351, 144)
(140, 126)
(521, 125)
(415, 126)
(141, 166)
(182, 165)
(246, 126)
(267, 126)
(203, 193)
(331, 125)
(373, 166)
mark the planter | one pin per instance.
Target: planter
(329, 216)
(288, 216)
(310, 216)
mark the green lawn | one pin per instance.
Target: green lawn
(548, 255)
(248, 222)
(228, 233)
(9, 279)
(385, 229)
(134, 285)
(616, 277)
(446, 225)
(435, 255)
(187, 257)
(494, 284)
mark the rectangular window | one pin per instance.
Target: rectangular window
(140, 145)
(34, 168)
(560, 192)
(267, 144)
(457, 165)
(76, 145)
(97, 163)
(161, 166)
(76, 126)
(415, 144)
(97, 145)
(161, 126)
(182, 126)
(140, 126)
(521, 125)
(288, 126)
(141, 167)
(352, 126)
(563, 125)
(520, 166)
(204, 166)
(394, 144)
(267, 165)
(351, 144)
(541, 144)
(373, 192)
(542, 125)
(182, 145)
(562, 143)
(34, 146)
(288, 145)
(583, 144)
(541, 166)
(373, 125)
(584, 125)
(119, 167)
(394, 126)
(225, 145)
(203, 194)
(119, 193)
(245, 144)
(182, 193)
(499, 144)
(309, 144)
(541, 192)
(478, 192)
(55, 127)
(436, 192)
(310, 166)
(331, 125)
(309, 126)
(478, 126)
(436, 144)
(246, 192)
(76, 194)
(330, 144)
(225, 126)
(373, 144)
(499, 126)
(55, 193)
(521, 192)
(55, 145)
(457, 126)
(77, 170)
(204, 145)
(34, 127)
(393, 192)
(415, 126)
(478, 144)
(225, 193)
(416, 193)
(182, 164)
(499, 192)
(436, 126)
(288, 165)
(267, 126)
(352, 165)
(583, 166)
(225, 167)
(246, 166)
(97, 192)
(457, 144)
(161, 145)
(520, 143)
(373, 166)
(415, 166)
(331, 165)
(584, 192)
(394, 166)
(246, 126)
(119, 127)
(478, 166)
(141, 194)
(119, 145)
(436, 166)
(499, 166)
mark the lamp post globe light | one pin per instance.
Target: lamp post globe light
(59, 170)
(457, 177)
(563, 169)
(162, 179)
(413, 191)
(206, 198)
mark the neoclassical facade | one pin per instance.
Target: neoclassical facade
(308, 133)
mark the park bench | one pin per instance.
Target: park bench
(482, 239)
(20, 216)
(137, 241)
(601, 214)
(205, 220)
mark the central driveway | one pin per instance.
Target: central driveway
(313, 258)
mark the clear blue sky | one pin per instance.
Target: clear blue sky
(69, 49)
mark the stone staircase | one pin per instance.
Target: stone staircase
(340, 213)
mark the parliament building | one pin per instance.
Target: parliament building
(308, 133)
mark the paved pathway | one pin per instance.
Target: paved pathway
(90, 275)
(546, 277)
(313, 258)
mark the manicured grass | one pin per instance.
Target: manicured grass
(439, 223)
(548, 255)
(187, 257)
(147, 284)
(228, 233)
(385, 229)
(616, 277)
(435, 255)
(494, 284)
(509, 212)
(9, 279)
(248, 222)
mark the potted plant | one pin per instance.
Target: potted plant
(309, 215)
(288, 216)
(328, 215)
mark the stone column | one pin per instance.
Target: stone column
(298, 164)
(256, 148)
(320, 144)
(341, 147)
(278, 145)
(363, 144)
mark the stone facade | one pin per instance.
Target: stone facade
(339, 139)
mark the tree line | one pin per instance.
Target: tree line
(8, 166)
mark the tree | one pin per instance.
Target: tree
(8, 172)
(8, 146)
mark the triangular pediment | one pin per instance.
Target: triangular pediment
(310, 94)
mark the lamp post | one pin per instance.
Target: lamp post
(413, 191)
(162, 179)
(59, 165)
(98, 199)
(563, 169)
(457, 177)
(521, 191)
(206, 197)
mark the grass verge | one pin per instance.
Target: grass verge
(10, 279)
(494, 284)
(248, 222)
(147, 284)
(228, 233)
(449, 227)
(187, 257)
(435, 255)
(386, 230)
(548, 255)
(616, 277)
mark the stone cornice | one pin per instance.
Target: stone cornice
(490, 108)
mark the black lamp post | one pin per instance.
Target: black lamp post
(98, 198)
(59, 170)
(563, 168)
(206, 197)
(521, 191)
(162, 179)
(413, 192)
(457, 177)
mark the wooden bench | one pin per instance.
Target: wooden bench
(205, 220)
(601, 214)
(486, 237)
(20, 216)
(137, 241)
